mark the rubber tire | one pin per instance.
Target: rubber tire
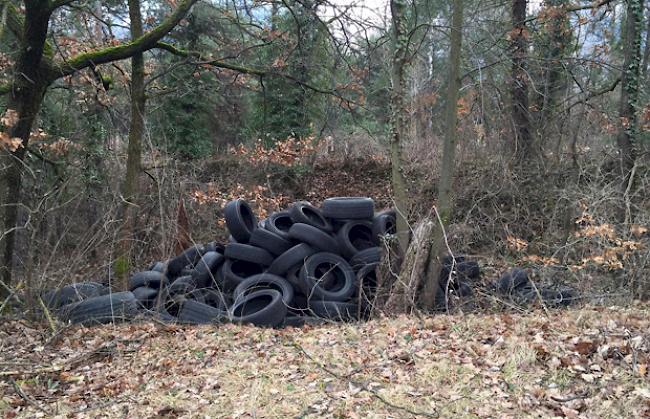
(312, 286)
(468, 270)
(335, 310)
(306, 213)
(248, 253)
(196, 312)
(261, 308)
(512, 281)
(206, 270)
(109, 308)
(269, 241)
(214, 247)
(211, 297)
(349, 208)
(355, 236)
(158, 267)
(183, 285)
(151, 279)
(315, 237)
(73, 293)
(370, 256)
(233, 278)
(265, 281)
(240, 219)
(292, 257)
(279, 223)
(189, 257)
(383, 224)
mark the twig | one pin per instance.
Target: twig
(48, 316)
(363, 386)
(27, 398)
(42, 370)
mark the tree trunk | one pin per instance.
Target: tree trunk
(523, 140)
(629, 102)
(646, 52)
(26, 97)
(555, 39)
(444, 204)
(398, 119)
(402, 297)
(134, 150)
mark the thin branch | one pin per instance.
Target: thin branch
(60, 3)
(125, 50)
(248, 70)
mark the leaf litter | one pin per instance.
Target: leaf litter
(586, 363)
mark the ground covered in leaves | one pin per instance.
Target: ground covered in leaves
(590, 363)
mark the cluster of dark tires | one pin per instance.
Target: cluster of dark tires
(302, 265)
(516, 285)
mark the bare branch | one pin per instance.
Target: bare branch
(249, 70)
(126, 50)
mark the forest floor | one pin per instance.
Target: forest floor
(587, 362)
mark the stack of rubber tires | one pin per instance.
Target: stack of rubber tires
(302, 265)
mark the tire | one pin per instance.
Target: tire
(367, 279)
(235, 272)
(240, 219)
(158, 267)
(146, 296)
(292, 257)
(110, 308)
(468, 270)
(265, 281)
(206, 270)
(335, 310)
(211, 297)
(151, 279)
(292, 276)
(214, 247)
(184, 285)
(355, 236)
(383, 224)
(279, 223)
(196, 312)
(189, 257)
(370, 256)
(306, 213)
(302, 321)
(269, 241)
(315, 237)
(316, 267)
(248, 253)
(261, 308)
(349, 208)
(512, 281)
(73, 293)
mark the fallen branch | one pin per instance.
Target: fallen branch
(27, 398)
(363, 387)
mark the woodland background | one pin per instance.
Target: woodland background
(526, 124)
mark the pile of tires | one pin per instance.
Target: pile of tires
(302, 265)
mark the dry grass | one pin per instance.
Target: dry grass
(582, 363)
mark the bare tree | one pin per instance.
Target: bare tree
(399, 113)
(629, 102)
(444, 203)
(34, 72)
(523, 139)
